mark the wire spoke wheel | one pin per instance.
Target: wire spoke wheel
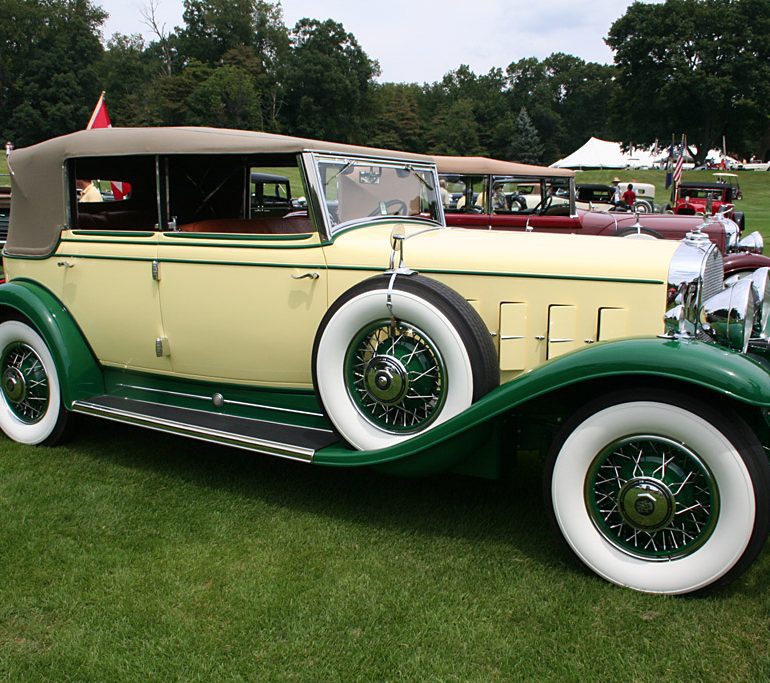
(395, 376)
(24, 382)
(652, 497)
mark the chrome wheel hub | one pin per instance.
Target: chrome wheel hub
(14, 385)
(386, 379)
(646, 503)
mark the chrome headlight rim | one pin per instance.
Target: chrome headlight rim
(753, 243)
(729, 317)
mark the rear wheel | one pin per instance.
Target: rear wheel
(659, 493)
(31, 409)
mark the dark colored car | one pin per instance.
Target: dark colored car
(499, 195)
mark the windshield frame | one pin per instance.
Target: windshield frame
(316, 196)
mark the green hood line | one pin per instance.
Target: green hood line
(712, 367)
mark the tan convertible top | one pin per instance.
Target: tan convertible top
(485, 166)
(39, 198)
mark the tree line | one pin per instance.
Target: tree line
(700, 67)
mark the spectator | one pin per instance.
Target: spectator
(88, 192)
(629, 196)
(616, 191)
(8, 148)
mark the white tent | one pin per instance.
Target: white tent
(598, 153)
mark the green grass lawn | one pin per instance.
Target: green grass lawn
(129, 555)
(755, 185)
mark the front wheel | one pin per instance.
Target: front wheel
(659, 493)
(31, 408)
(395, 356)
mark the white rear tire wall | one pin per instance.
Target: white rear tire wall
(50, 428)
(462, 338)
(720, 438)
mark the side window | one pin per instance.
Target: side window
(473, 198)
(236, 194)
(113, 193)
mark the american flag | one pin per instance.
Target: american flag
(678, 168)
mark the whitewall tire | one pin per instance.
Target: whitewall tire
(31, 410)
(659, 493)
(386, 373)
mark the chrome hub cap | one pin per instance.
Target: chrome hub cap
(652, 497)
(24, 383)
(646, 504)
(14, 385)
(395, 376)
(387, 379)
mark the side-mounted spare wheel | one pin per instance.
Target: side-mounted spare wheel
(31, 408)
(659, 492)
(394, 357)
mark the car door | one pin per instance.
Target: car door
(242, 307)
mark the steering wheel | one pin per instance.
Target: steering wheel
(543, 205)
(400, 205)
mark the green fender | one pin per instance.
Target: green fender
(743, 378)
(79, 373)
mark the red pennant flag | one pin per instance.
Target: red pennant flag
(101, 119)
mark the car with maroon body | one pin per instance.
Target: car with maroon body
(492, 194)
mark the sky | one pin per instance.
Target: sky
(418, 41)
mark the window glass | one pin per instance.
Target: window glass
(355, 189)
(114, 193)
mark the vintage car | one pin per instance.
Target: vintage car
(364, 332)
(598, 196)
(490, 185)
(706, 198)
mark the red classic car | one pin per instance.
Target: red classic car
(499, 195)
(708, 199)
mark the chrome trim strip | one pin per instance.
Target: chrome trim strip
(234, 403)
(236, 417)
(212, 436)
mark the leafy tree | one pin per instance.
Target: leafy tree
(695, 66)
(396, 117)
(329, 81)
(525, 146)
(51, 85)
(454, 131)
(226, 99)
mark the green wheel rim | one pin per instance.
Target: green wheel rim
(395, 376)
(652, 497)
(24, 383)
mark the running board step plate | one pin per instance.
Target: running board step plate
(273, 438)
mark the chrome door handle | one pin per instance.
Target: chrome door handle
(65, 264)
(310, 276)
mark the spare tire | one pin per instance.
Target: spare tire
(395, 356)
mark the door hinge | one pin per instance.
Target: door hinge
(155, 270)
(161, 347)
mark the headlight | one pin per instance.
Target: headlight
(696, 273)
(752, 243)
(760, 282)
(728, 317)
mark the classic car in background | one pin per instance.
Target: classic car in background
(363, 332)
(490, 203)
(601, 197)
(708, 199)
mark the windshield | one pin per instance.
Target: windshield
(355, 189)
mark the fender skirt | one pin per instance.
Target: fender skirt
(79, 373)
(745, 379)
